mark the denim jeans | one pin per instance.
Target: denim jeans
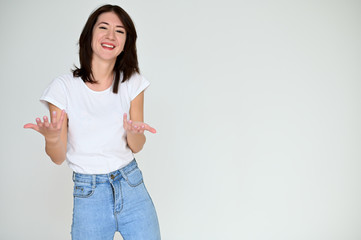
(118, 201)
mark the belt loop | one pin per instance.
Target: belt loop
(123, 174)
(94, 180)
(73, 176)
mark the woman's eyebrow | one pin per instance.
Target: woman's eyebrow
(108, 24)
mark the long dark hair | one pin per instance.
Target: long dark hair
(127, 61)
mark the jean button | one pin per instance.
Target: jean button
(112, 177)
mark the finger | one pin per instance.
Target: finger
(152, 130)
(54, 120)
(125, 124)
(130, 125)
(143, 127)
(137, 129)
(149, 128)
(61, 120)
(46, 121)
(32, 126)
(38, 122)
(125, 118)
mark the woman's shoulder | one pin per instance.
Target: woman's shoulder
(136, 84)
(67, 80)
(67, 77)
(136, 78)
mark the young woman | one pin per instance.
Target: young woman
(90, 129)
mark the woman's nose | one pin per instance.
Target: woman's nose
(111, 34)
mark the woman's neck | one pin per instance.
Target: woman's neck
(103, 73)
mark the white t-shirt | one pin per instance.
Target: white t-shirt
(96, 137)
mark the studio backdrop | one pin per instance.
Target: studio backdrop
(257, 106)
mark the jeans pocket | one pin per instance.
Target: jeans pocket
(134, 177)
(83, 189)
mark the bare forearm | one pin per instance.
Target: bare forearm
(135, 141)
(56, 151)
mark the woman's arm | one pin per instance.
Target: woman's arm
(135, 127)
(55, 133)
(56, 147)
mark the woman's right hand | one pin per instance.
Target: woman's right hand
(50, 130)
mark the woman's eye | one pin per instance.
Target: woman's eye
(120, 31)
(102, 27)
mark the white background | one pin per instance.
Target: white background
(257, 106)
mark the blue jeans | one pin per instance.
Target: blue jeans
(118, 201)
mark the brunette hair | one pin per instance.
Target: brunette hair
(127, 61)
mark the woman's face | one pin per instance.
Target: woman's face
(108, 37)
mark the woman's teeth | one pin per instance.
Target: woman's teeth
(109, 46)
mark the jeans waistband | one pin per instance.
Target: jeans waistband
(109, 177)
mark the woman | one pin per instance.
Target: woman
(89, 128)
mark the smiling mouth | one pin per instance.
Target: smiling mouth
(108, 46)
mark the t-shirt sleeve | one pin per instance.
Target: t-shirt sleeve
(55, 94)
(136, 84)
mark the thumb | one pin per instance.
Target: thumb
(32, 126)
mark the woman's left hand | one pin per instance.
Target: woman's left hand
(136, 127)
